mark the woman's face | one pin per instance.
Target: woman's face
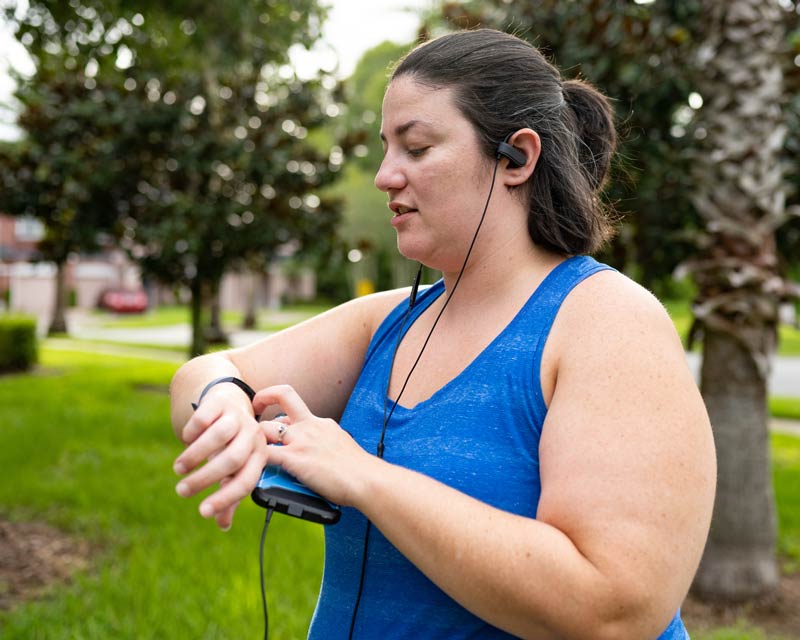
(436, 179)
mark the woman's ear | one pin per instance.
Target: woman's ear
(527, 142)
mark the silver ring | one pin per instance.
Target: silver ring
(281, 431)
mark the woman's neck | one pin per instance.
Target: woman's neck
(498, 272)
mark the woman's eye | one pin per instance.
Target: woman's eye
(417, 152)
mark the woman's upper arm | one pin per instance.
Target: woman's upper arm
(627, 458)
(321, 357)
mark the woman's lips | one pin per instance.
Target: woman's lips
(401, 214)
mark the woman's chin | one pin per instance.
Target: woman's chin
(412, 251)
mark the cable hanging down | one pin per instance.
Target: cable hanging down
(261, 573)
(387, 414)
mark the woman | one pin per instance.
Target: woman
(528, 456)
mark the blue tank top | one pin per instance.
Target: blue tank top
(479, 434)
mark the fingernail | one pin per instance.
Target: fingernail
(182, 489)
(226, 528)
(206, 510)
(179, 468)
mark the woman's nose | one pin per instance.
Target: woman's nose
(389, 176)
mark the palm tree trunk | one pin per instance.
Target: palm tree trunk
(740, 196)
(739, 561)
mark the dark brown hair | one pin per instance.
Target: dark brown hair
(503, 84)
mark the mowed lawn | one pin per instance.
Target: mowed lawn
(85, 445)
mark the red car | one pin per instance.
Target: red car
(123, 301)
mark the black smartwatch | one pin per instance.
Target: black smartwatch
(239, 383)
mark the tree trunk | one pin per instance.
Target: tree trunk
(198, 346)
(739, 561)
(740, 195)
(215, 333)
(58, 324)
(251, 279)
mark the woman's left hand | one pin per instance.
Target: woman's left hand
(317, 451)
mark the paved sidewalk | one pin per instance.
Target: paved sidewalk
(782, 425)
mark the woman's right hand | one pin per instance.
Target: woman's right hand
(223, 434)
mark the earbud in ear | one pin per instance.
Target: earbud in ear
(516, 158)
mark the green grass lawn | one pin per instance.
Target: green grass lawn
(86, 446)
(788, 408)
(786, 481)
(159, 317)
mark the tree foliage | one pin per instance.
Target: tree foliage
(207, 158)
(638, 54)
(64, 172)
(366, 222)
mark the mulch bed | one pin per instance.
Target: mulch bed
(33, 556)
(777, 613)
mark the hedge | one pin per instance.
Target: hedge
(18, 349)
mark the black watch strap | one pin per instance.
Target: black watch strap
(239, 383)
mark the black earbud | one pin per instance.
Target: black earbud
(516, 158)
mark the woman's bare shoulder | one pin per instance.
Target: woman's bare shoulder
(612, 307)
(609, 320)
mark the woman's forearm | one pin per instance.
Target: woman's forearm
(517, 573)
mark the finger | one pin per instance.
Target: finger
(276, 455)
(284, 396)
(239, 487)
(203, 417)
(225, 517)
(277, 432)
(210, 442)
(226, 463)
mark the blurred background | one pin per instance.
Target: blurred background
(180, 177)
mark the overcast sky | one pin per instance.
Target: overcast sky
(353, 27)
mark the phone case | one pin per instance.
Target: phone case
(279, 490)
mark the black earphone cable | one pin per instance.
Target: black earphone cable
(411, 300)
(261, 573)
(360, 580)
(435, 322)
(386, 418)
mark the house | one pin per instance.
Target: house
(28, 285)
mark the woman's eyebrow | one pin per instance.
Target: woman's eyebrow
(401, 129)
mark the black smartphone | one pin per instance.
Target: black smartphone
(281, 491)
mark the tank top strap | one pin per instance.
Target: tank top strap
(401, 317)
(541, 310)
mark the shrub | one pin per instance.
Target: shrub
(17, 343)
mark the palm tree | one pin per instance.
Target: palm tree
(740, 196)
